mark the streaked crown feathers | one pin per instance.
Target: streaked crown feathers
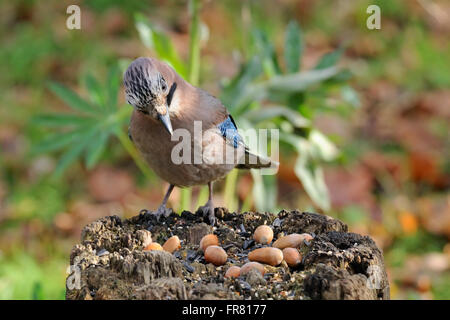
(144, 84)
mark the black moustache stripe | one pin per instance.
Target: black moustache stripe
(171, 92)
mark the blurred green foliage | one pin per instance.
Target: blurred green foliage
(88, 130)
(22, 277)
(260, 95)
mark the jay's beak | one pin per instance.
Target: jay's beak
(165, 119)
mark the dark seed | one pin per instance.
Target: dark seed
(228, 246)
(102, 252)
(248, 243)
(276, 222)
(245, 285)
(245, 234)
(188, 267)
(191, 255)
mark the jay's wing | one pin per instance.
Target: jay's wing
(229, 131)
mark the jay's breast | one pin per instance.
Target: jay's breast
(186, 161)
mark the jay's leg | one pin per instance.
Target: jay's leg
(208, 208)
(162, 208)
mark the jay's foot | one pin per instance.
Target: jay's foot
(208, 210)
(162, 210)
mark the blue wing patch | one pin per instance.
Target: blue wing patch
(229, 131)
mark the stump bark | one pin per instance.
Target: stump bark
(110, 262)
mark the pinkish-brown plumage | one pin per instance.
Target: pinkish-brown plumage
(166, 105)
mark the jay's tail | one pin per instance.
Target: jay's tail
(253, 161)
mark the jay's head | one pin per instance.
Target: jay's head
(147, 91)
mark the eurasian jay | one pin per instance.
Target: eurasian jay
(164, 103)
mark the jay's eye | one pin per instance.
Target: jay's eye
(164, 87)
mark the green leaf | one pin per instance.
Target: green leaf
(264, 48)
(194, 42)
(57, 141)
(155, 39)
(95, 90)
(112, 87)
(295, 82)
(350, 96)
(321, 147)
(293, 140)
(329, 59)
(293, 47)
(74, 152)
(311, 176)
(287, 84)
(96, 148)
(72, 99)
(264, 191)
(277, 111)
(60, 120)
(308, 170)
(233, 93)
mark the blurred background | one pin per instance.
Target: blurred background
(363, 118)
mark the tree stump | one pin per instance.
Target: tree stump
(110, 262)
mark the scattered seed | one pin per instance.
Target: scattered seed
(102, 252)
(188, 267)
(248, 243)
(277, 222)
(228, 246)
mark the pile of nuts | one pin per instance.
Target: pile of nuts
(284, 248)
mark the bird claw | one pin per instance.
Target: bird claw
(208, 210)
(162, 210)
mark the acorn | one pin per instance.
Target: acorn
(268, 255)
(263, 234)
(154, 246)
(252, 265)
(233, 272)
(292, 257)
(216, 255)
(172, 244)
(293, 240)
(209, 240)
